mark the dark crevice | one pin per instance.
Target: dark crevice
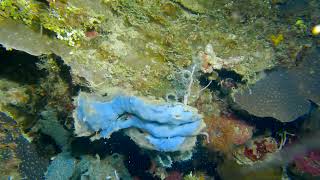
(203, 160)
(19, 67)
(272, 125)
(186, 9)
(224, 83)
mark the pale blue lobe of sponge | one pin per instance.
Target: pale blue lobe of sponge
(166, 125)
(166, 145)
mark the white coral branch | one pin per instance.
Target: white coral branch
(186, 96)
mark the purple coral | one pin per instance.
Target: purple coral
(309, 163)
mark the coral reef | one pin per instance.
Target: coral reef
(111, 167)
(225, 132)
(166, 127)
(50, 126)
(209, 60)
(283, 94)
(138, 45)
(274, 96)
(177, 61)
(12, 94)
(61, 167)
(66, 21)
(28, 82)
(27, 89)
(164, 160)
(258, 149)
(65, 166)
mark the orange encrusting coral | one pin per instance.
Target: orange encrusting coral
(227, 131)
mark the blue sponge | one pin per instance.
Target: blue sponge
(166, 126)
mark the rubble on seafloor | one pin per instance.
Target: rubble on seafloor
(181, 89)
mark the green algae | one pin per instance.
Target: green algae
(67, 22)
(21, 10)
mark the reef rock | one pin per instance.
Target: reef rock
(152, 125)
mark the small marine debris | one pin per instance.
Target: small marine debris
(210, 61)
(276, 39)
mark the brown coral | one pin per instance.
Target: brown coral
(227, 131)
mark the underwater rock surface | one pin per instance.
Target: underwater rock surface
(166, 127)
(193, 51)
(19, 157)
(284, 93)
